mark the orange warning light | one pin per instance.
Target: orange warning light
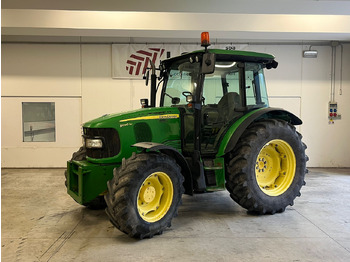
(205, 39)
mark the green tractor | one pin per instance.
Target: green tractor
(213, 130)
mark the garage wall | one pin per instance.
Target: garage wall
(78, 79)
(328, 144)
(100, 93)
(40, 73)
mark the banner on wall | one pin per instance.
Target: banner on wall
(130, 61)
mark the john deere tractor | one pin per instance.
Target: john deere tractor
(213, 130)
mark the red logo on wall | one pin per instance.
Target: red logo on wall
(138, 62)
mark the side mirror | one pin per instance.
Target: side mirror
(208, 63)
(175, 100)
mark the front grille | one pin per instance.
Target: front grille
(110, 139)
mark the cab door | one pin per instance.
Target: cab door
(221, 99)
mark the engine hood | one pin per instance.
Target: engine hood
(127, 118)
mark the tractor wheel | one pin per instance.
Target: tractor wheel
(144, 194)
(98, 202)
(80, 155)
(266, 169)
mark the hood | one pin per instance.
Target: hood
(114, 120)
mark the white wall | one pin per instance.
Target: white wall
(328, 145)
(78, 78)
(40, 70)
(40, 73)
(100, 93)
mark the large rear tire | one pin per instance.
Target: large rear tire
(144, 194)
(266, 169)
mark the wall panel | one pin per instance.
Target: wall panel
(328, 144)
(40, 70)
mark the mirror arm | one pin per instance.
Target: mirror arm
(153, 84)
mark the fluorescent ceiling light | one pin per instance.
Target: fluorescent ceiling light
(310, 53)
(225, 66)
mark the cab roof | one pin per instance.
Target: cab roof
(229, 55)
(247, 54)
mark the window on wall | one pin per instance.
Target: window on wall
(38, 122)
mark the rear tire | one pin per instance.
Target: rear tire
(266, 169)
(144, 194)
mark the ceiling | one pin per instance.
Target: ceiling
(175, 21)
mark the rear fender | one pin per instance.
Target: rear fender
(232, 135)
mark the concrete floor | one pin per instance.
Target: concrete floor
(40, 222)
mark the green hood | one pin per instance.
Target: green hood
(113, 120)
(159, 125)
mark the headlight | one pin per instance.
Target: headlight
(93, 143)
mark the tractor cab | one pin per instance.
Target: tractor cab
(212, 101)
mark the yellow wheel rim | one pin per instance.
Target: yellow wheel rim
(275, 167)
(155, 197)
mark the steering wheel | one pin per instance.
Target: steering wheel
(186, 93)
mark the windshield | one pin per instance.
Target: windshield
(182, 77)
(219, 88)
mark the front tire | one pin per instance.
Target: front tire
(144, 194)
(266, 169)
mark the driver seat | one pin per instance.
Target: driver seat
(227, 105)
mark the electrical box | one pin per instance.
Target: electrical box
(333, 113)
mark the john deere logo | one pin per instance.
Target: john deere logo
(138, 62)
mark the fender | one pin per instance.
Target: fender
(175, 154)
(236, 130)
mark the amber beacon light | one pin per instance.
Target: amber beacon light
(205, 39)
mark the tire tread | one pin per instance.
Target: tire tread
(118, 201)
(237, 168)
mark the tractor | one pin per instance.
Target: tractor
(213, 130)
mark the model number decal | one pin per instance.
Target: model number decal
(168, 116)
(127, 124)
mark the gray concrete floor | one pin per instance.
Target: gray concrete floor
(40, 222)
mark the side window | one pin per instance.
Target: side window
(255, 85)
(224, 80)
(260, 85)
(250, 88)
(212, 89)
(232, 79)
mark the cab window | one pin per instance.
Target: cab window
(255, 85)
